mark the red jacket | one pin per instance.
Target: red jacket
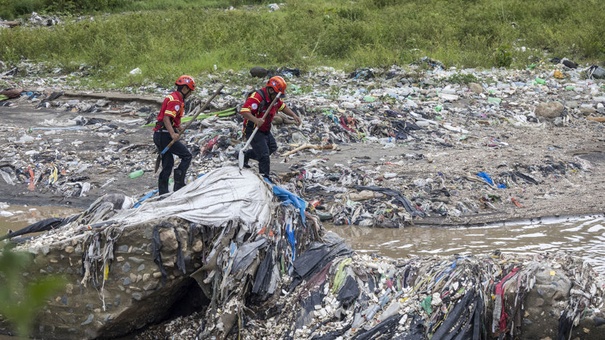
(256, 105)
(173, 106)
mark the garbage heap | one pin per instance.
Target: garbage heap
(129, 267)
(355, 296)
(268, 270)
(446, 143)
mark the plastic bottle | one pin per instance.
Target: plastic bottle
(494, 100)
(136, 174)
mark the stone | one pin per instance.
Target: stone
(549, 110)
(475, 88)
(259, 72)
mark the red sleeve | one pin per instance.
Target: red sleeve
(174, 109)
(251, 104)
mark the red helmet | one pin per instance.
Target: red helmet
(186, 80)
(278, 84)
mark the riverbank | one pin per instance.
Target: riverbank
(382, 149)
(281, 275)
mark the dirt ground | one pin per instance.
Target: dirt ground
(75, 146)
(567, 163)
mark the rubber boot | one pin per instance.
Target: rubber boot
(246, 160)
(264, 166)
(162, 186)
(179, 179)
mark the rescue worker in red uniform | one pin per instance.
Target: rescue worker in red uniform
(167, 129)
(263, 143)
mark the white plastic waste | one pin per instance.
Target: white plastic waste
(222, 195)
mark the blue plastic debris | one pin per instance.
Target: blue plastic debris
(486, 178)
(289, 198)
(142, 199)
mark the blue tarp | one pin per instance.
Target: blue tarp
(289, 198)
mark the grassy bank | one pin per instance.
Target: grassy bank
(167, 38)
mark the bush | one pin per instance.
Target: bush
(305, 33)
(83, 6)
(11, 9)
(462, 78)
(504, 57)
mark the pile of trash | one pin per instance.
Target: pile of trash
(411, 116)
(122, 257)
(34, 19)
(354, 296)
(267, 268)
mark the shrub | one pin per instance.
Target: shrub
(462, 78)
(504, 57)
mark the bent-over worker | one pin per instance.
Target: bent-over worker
(263, 143)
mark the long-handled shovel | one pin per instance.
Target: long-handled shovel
(240, 159)
(161, 154)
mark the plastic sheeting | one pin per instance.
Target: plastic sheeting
(222, 195)
(289, 198)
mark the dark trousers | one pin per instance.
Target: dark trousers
(161, 140)
(263, 145)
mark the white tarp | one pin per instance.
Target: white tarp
(222, 195)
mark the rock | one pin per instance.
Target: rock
(11, 93)
(549, 110)
(475, 88)
(259, 72)
(587, 109)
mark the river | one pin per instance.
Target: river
(582, 235)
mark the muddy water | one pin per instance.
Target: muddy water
(584, 236)
(13, 217)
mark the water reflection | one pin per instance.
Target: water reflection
(14, 217)
(583, 236)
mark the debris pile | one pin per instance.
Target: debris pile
(355, 296)
(266, 267)
(34, 19)
(379, 148)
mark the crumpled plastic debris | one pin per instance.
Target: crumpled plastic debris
(400, 115)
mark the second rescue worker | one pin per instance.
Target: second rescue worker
(263, 143)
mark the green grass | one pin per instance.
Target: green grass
(164, 38)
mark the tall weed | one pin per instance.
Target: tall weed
(201, 36)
